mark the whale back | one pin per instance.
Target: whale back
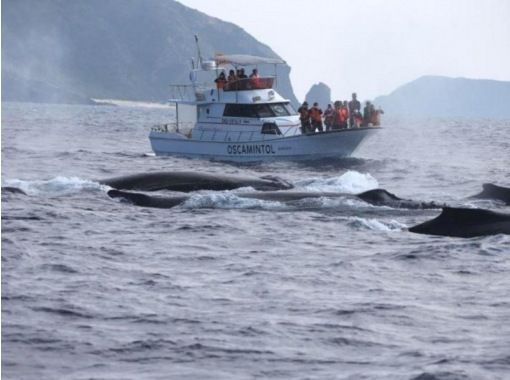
(145, 200)
(492, 191)
(382, 197)
(192, 181)
(12, 190)
(463, 222)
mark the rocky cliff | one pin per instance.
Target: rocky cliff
(71, 51)
(436, 96)
(320, 93)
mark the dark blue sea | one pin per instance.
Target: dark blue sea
(224, 287)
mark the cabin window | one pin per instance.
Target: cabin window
(263, 110)
(260, 110)
(203, 111)
(270, 129)
(289, 108)
(240, 110)
(279, 109)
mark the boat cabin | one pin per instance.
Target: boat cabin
(244, 107)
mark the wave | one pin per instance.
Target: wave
(374, 224)
(56, 186)
(235, 200)
(228, 200)
(130, 103)
(349, 182)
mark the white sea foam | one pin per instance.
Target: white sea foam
(228, 200)
(131, 103)
(349, 182)
(328, 202)
(374, 224)
(55, 186)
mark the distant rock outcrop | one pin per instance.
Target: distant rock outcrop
(436, 96)
(70, 51)
(320, 93)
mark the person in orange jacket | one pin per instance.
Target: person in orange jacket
(316, 117)
(358, 119)
(221, 81)
(338, 118)
(344, 110)
(255, 79)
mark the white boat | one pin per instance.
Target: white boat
(245, 121)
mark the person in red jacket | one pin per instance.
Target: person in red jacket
(316, 117)
(221, 81)
(337, 116)
(255, 79)
(344, 110)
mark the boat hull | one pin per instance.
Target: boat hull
(341, 143)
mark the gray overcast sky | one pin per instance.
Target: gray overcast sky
(374, 46)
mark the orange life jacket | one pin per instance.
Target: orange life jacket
(255, 81)
(315, 114)
(345, 113)
(220, 83)
(341, 115)
(338, 117)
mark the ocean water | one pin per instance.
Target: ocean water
(228, 288)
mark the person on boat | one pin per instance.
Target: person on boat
(231, 81)
(354, 105)
(242, 83)
(316, 117)
(375, 117)
(367, 114)
(242, 75)
(232, 77)
(344, 109)
(358, 119)
(255, 79)
(304, 117)
(338, 116)
(329, 114)
(221, 81)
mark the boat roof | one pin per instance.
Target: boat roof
(244, 59)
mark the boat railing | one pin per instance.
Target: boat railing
(197, 92)
(260, 83)
(183, 128)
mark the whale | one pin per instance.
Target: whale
(145, 200)
(495, 192)
(192, 181)
(378, 197)
(382, 197)
(465, 222)
(12, 190)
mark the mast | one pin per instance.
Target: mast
(199, 54)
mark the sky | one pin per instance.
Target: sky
(373, 46)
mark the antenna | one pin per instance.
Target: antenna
(198, 52)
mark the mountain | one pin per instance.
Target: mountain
(438, 96)
(320, 93)
(70, 51)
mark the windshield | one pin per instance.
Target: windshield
(259, 110)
